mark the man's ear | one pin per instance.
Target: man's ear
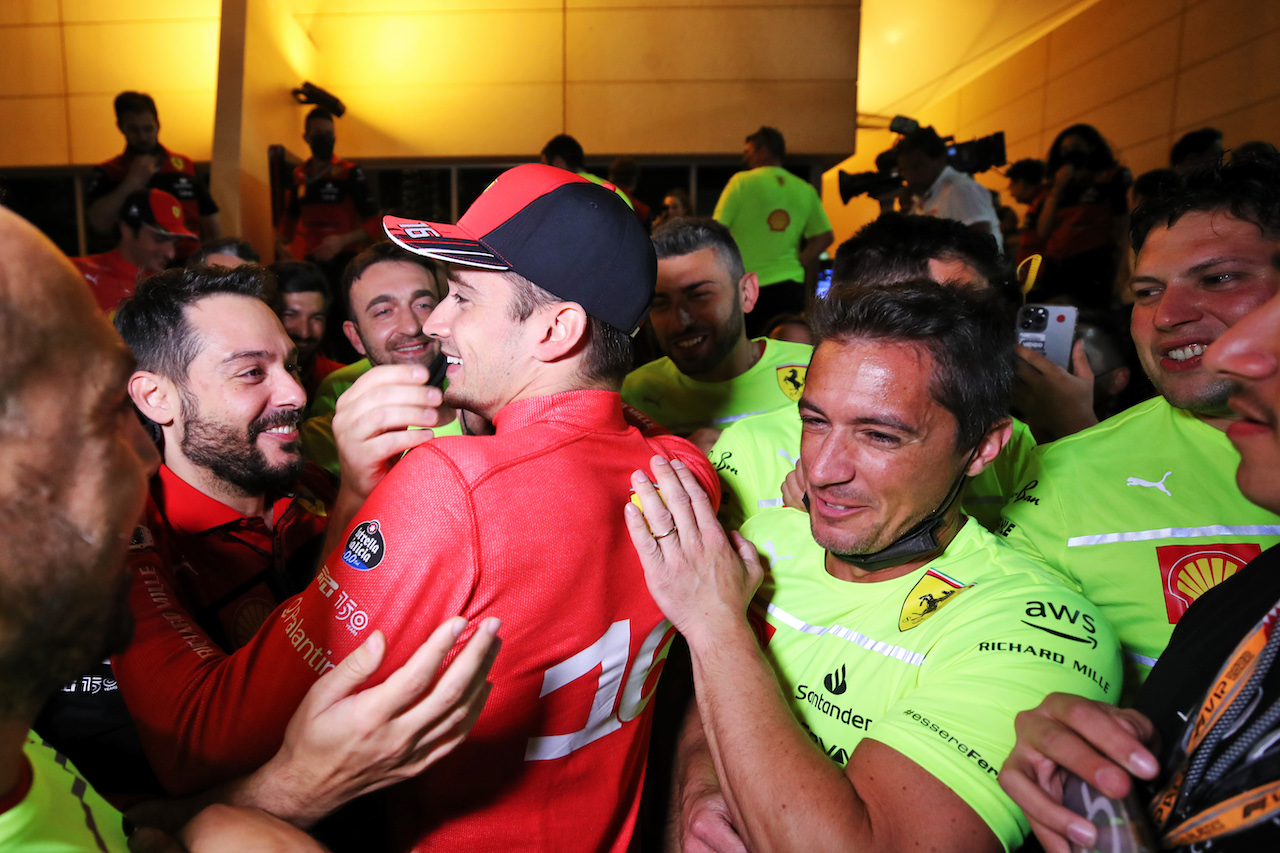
(349, 329)
(748, 291)
(155, 396)
(989, 447)
(564, 330)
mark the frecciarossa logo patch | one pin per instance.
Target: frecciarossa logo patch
(365, 546)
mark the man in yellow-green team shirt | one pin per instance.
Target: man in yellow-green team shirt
(863, 697)
(713, 374)
(778, 222)
(755, 454)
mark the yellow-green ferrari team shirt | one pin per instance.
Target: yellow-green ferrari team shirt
(61, 813)
(934, 664)
(755, 454)
(770, 212)
(683, 405)
(1142, 514)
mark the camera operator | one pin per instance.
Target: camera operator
(940, 190)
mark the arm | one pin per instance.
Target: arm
(1049, 213)
(782, 792)
(371, 430)
(345, 742)
(210, 228)
(814, 247)
(1097, 742)
(699, 818)
(104, 211)
(1050, 400)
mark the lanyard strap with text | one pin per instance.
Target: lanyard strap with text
(1244, 809)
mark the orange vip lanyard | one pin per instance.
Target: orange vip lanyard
(1226, 708)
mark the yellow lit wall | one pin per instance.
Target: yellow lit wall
(498, 78)
(63, 61)
(1142, 71)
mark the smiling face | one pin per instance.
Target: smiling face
(487, 347)
(303, 316)
(241, 401)
(1248, 356)
(879, 453)
(1191, 283)
(391, 301)
(697, 312)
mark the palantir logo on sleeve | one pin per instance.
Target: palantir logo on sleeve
(365, 546)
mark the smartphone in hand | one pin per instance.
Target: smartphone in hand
(1049, 330)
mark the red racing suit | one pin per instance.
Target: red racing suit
(525, 525)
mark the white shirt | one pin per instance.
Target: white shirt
(955, 195)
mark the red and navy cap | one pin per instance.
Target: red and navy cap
(158, 209)
(573, 238)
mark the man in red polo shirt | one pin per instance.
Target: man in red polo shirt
(151, 229)
(329, 212)
(235, 520)
(144, 164)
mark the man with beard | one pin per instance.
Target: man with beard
(329, 210)
(1142, 512)
(73, 467)
(145, 164)
(862, 698)
(304, 311)
(713, 374)
(390, 293)
(239, 516)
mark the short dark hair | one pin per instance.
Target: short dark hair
(922, 140)
(1156, 182)
(154, 324)
(898, 247)
(316, 113)
(1246, 187)
(770, 138)
(567, 149)
(965, 332)
(1028, 171)
(1194, 144)
(301, 277)
(1099, 158)
(233, 246)
(685, 235)
(134, 102)
(608, 352)
(379, 253)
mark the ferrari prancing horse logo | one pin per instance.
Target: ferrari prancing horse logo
(791, 379)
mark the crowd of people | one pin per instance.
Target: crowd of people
(907, 584)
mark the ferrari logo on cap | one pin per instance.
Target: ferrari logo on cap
(177, 212)
(926, 598)
(177, 163)
(791, 379)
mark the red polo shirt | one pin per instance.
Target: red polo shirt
(229, 571)
(111, 277)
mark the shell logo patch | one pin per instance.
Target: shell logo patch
(791, 379)
(927, 597)
(1189, 571)
(779, 220)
